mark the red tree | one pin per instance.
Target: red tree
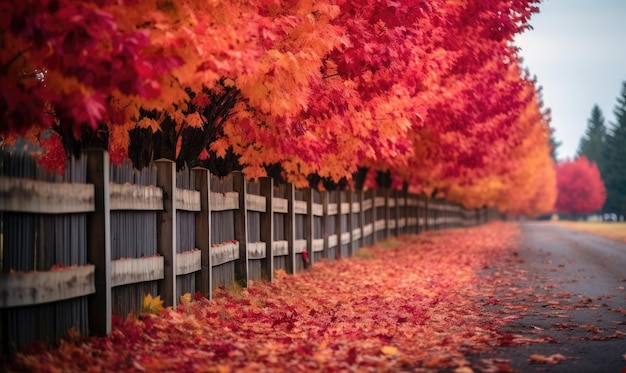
(580, 187)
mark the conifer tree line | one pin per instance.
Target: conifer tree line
(604, 143)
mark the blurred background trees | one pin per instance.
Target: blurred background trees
(605, 146)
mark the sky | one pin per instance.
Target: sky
(577, 51)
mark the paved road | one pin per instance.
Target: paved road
(572, 295)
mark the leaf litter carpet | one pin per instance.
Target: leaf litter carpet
(413, 303)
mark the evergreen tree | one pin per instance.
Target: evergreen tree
(593, 143)
(615, 159)
(554, 145)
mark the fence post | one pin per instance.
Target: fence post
(267, 228)
(413, 212)
(99, 243)
(426, 214)
(405, 210)
(204, 279)
(166, 231)
(338, 225)
(290, 229)
(241, 229)
(349, 226)
(324, 197)
(396, 208)
(308, 228)
(361, 218)
(387, 215)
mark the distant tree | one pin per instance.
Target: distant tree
(580, 187)
(592, 144)
(554, 146)
(615, 159)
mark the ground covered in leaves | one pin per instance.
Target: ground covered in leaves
(414, 303)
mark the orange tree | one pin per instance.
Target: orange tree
(425, 90)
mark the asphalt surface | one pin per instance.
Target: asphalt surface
(570, 298)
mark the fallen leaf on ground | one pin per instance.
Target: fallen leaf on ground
(542, 359)
(413, 304)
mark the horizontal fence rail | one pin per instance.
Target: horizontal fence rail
(170, 232)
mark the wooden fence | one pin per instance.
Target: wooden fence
(77, 249)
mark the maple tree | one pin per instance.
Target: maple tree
(580, 187)
(62, 61)
(520, 178)
(413, 88)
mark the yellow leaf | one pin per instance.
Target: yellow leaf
(152, 305)
(389, 350)
(185, 299)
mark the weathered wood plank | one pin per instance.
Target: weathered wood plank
(240, 218)
(392, 223)
(224, 253)
(135, 197)
(280, 205)
(380, 225)
(299, 207)
(318, 209)
(204, 279)
(331, 209)
(309, 226)
(26, 289)
(132, 271)
(360, 198)
(356, 207)
(166, 230)
(332, 240)
(256, 250)
(367, 204)
(188, 262)
(442, 220)
(317, 245)
(379, 202)
(345, 208)
(324, 231)
(401, 222)
(224, 201)
(280, 248)
(356, 233)
(267, 228)
(368, 229)
(26, 195)
(100, 303)
(256, 203)
(345, 238)
(187, 200)
(299, 246)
